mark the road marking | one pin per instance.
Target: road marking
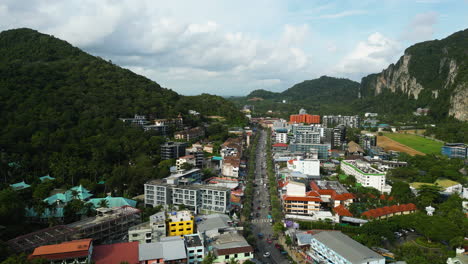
(260, 220)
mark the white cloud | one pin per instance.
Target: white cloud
(369, 56)
(341, 14)
(421, 27)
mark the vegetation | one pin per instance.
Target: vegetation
(451, 130)
(418, 143)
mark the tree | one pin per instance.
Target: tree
(209, 258)
(233, 261)
(288, 241)
(401, 191)
(428, 194)
(11, 207)
(103, 203)
(186, 166)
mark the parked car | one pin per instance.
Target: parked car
(257, 214)
(266, 255)
(260, 235)
(269, 240)
(278, 246)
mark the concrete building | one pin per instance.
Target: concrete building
(306, 166)
(190, 134)
(189, 159)
(231, 246)
(322, 150)
(389, 211)
(366, 175)
(180, 223)
(197, 152)
(173, 150)
(304, 118)
(336, 247)
(455, 150)
(334, 120)
(368, 141)
(126, 252)
(281, 137)
(339, 136)
(230, 167)
(199, 198)
(210, 226)
(195, 248)
(73, 252)
(149, 232)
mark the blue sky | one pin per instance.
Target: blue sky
(234, 47)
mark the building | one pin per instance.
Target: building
(195, 248)
(170, 250)
(190, 134)
(230, 167)
(173, 150)
(339, 136)
(196, 151)
(189, 159)
(334, 120)
(304, 118)
(210, 226)
(149, 232)
(76, 252)
(160, 130)
(336, 247)
(322, 150)
(180, 223)
(332, 192)
(281, 137)
(138, 120)
(389, 211)
(367, 141)
(366, 175)
(306, 166)
(112, 202)
(455, 150)
(116, 253)
(170, 122)
(279, 147)
(447, 186)
(19, 186)
(110, 225)
(229, 246)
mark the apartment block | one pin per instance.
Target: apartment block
(150, 231)
(173, 150)
(195, 248)
(455, 150)
(305, 118)
(335, 120)
(365, 174)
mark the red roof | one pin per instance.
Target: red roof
(331, 192)
(291, 161)
(386, 210)
(302, 199)
(116, 253)
(343, 196)
(312, 193)
(384, 197)
(342, 211)
(70, 249)
(281, 184)
(280, 145)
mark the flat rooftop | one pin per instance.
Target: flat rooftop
(193, 241)
(109, 214)
(180, 216)
(229, 240)
(331, 185)
(213, 221)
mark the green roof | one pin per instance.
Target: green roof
(113, 201)
(356, 168)
(445, 183)
(46, 177)
(20, 186)
(56, 213)
(67, 196)
(216, 158)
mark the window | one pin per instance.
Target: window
(181, 229)
(192, 257)
(189, 229)
(235, 255)
(181, 224)
(188, 223)
(226, 257)
(247, 254)
(173, 224)
(200, 250)
(191, 251)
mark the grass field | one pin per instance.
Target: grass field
(418, 143)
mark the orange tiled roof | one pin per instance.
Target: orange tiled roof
(71, 246)
(280, 145)
(312, 193)
(342, 211)
(386, 210)
(281, 183)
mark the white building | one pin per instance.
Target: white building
(281, 137)
(366, 175)
(230, 167)
(336, 247)
(190, 159)
(305, 166)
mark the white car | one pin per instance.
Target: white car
(266, 255)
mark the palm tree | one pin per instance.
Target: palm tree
(75, 194)
(209, 259)
(103, 203)
(233, 261)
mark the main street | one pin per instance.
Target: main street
(261, 199)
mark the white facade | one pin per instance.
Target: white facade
(230, 169)
(281, 137)
(305, 166)
(149, 232)
(190, 159)
(295, 189)
(366, 175)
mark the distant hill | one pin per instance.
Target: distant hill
(431, 74)
(59, 110)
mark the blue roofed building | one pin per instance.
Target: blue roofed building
(46, 178)
(19, 186)
(113, 202)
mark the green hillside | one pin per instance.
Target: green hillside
(59, 110)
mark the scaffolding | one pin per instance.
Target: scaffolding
(51, 235)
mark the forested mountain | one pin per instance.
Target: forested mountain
(322, 95)
(431, 74)
(59, 110)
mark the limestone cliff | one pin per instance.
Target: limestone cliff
(433, 73)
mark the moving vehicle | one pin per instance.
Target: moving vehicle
(266, 255)
(260, 235)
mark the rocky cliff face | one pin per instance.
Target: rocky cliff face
(434, 73)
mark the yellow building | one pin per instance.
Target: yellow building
(180, 223)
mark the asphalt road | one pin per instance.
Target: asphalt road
(261, 199)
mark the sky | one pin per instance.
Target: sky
(231, 48)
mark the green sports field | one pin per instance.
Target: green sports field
(418, 143)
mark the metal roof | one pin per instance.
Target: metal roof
(346, 247)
